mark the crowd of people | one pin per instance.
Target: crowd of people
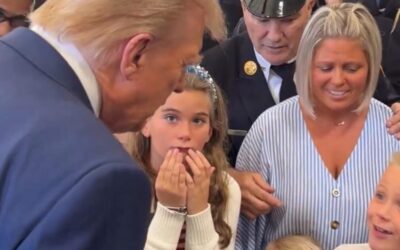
(200, 124)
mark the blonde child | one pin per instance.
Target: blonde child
(384, 212)
(293, 242)
(181, 148)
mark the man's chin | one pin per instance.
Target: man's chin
(276, 58)
(133, 126)
(136, 126)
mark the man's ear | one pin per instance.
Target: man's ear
(310, 5)
(132, 53)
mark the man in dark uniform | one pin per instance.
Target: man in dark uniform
(255, 71)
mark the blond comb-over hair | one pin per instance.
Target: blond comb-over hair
(102, 27)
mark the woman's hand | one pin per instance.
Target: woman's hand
(198, 184)
(171, 190)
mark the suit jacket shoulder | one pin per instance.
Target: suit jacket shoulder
(65, 182)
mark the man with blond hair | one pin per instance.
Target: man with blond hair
(85, 69)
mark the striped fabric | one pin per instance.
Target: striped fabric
(332, 211)
(182, 237)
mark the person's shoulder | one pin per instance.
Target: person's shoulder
(228, 49)
(377, 106)
(395, 32)
(353, 247)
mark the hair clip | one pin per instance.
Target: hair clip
(203, 75)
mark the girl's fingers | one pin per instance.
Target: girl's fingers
(196, 158)
(203, 159)
(189, 180)
(193, 166)
(211, 170)
(182, 177)
(161, 175)
(175, 168)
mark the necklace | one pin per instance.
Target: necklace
(340, 123)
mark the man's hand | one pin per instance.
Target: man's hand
(257, 194)
(393, 124)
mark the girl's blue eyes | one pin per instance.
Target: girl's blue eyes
(174, 119)
(199, 121)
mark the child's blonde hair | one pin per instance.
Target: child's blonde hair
(294, 242)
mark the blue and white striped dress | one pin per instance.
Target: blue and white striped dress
(280, 147)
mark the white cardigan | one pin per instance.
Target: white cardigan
(166, 225)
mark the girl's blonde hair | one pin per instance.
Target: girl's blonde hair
(214, 151)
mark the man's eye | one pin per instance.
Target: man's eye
(289, 20)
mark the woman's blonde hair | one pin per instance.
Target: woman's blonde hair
(294, 242)
(102, 27)
(346, 20)
(214, 151)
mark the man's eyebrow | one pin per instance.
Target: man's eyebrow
(294, 16)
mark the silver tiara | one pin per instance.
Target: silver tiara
(203, 75)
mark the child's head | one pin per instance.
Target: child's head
(384, 210)
(293, 242)
(194, 118)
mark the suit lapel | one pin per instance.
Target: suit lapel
(48, 60)
(253, 89)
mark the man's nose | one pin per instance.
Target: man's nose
(274, 31)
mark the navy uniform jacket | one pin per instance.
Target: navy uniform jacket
(248, 96)
(65, 182)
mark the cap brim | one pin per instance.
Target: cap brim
(274, 8)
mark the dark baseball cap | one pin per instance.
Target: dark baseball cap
(273, 8)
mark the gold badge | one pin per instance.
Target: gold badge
(250, 68)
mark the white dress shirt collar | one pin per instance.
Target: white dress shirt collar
(274, 81)
(78, 64)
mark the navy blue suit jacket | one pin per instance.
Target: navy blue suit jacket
(65, 182)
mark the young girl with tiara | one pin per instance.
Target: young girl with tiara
(181, 148)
